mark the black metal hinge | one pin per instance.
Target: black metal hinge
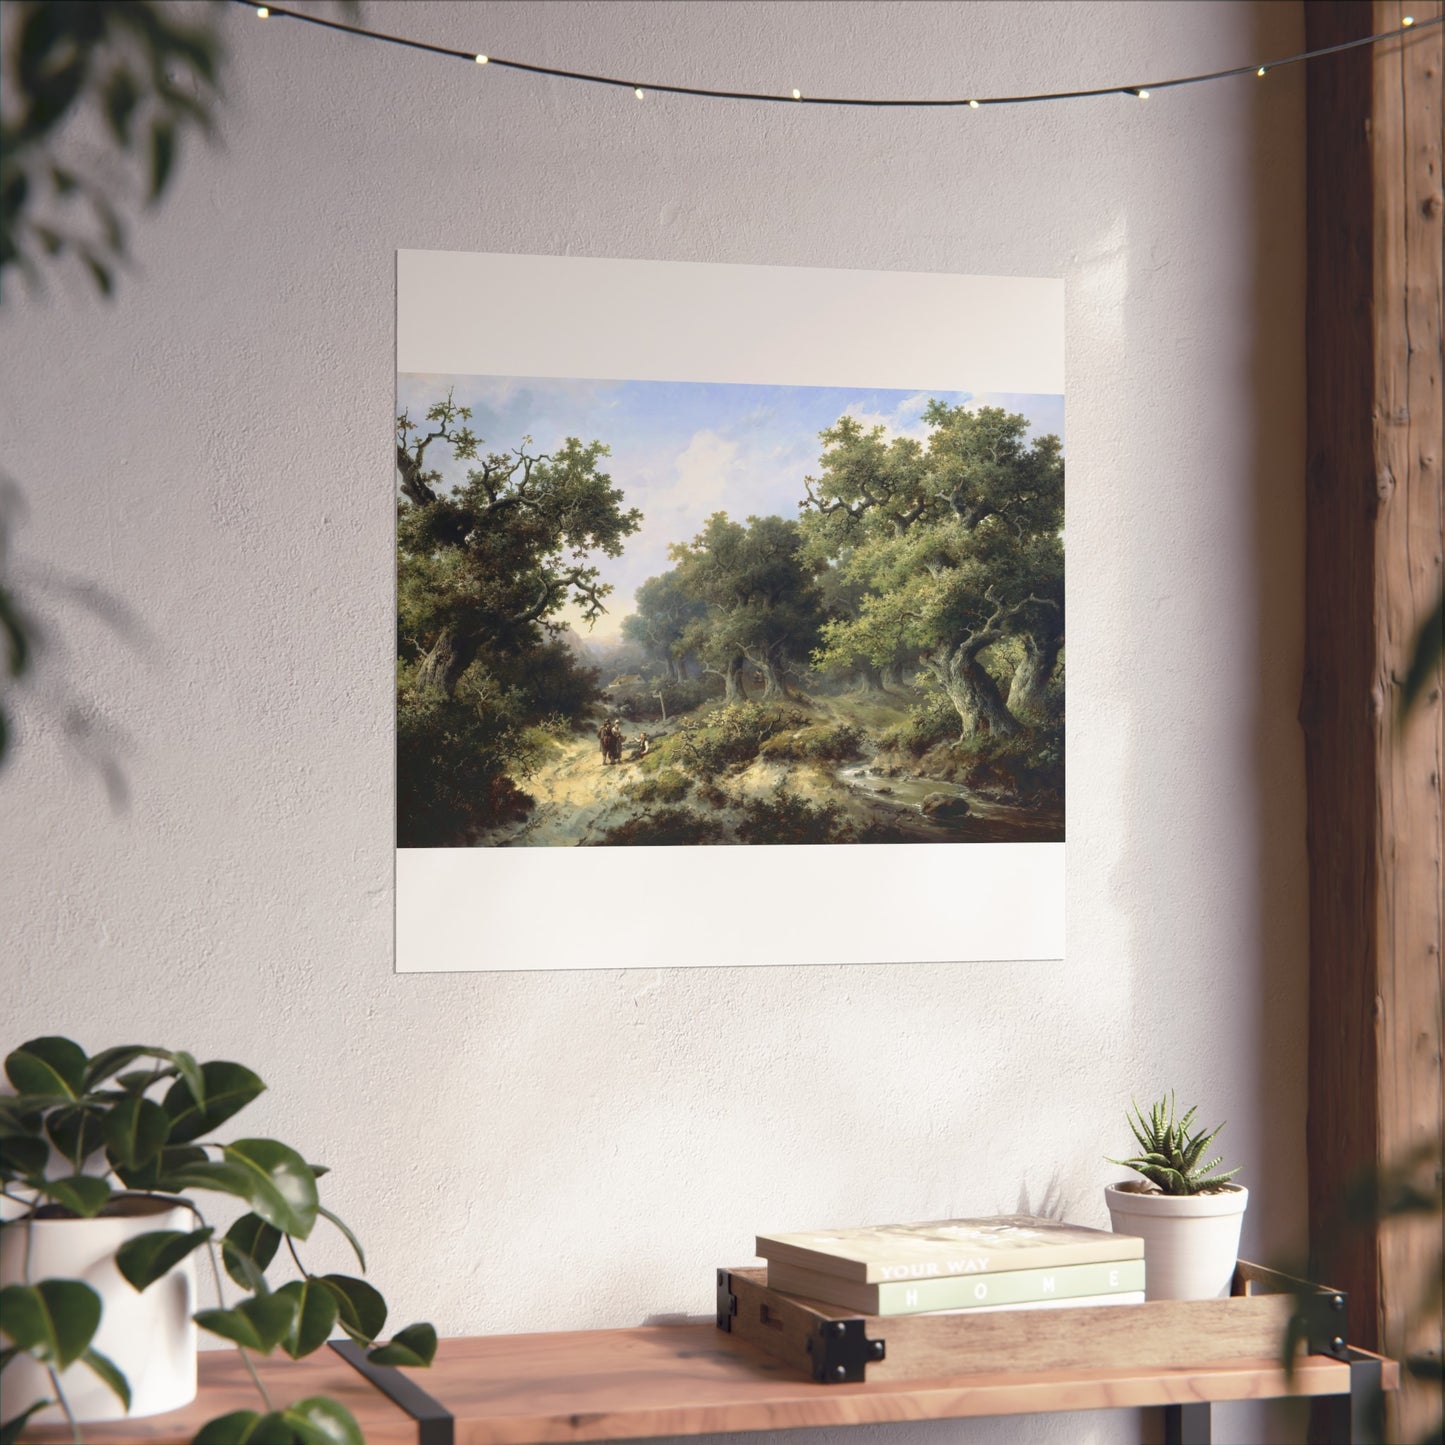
(841, 1352)
(727, 1301)
(1321, 1317)
(1327, 1324)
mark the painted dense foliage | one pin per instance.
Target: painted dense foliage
(482, 569)
(885, 664)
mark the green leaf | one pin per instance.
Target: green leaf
(106, 1368)
(244, 1270)
(149, 1257)
(415, 1345)
(50, 1065)
(245, 1427)
(163, 155)
(1424, 658)
(1426, 1367)
(206, 1174)
(227, 1089)
(111, 1061)
(22, 1117)
(361, 1309)
(11, 1430)
(351, 1239)
(83, 1194)
(100, 274)
(259, 1323)
(137, 1081)
(121, 98)
(21, 1157)
(319, 1421)
(136, 1130)
(232, 1429)
(55, 1320)
(282, 1187)
(76, 1131)
(248, 1248)
(316, 1311)
(193, 1074)
(155, 1174)
(51, 242)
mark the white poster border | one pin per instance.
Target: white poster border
(510, 909)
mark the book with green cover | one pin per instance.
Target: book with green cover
(942, 1247)
(1082, 1302)
(961, 1292)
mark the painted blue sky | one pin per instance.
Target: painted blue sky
(682, 450)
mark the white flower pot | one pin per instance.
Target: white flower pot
(1191, 1241)
(149, 1336)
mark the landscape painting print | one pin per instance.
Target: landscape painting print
(730, 615)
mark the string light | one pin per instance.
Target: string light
(1141, 91)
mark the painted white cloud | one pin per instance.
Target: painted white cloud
(904, 420)
(716, 471)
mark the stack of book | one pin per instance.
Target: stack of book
(1006, 1262)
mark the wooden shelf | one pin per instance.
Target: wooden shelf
(225, 1386)
(690, 1380)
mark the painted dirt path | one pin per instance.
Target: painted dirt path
(579, 800)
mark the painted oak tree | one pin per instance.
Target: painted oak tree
(870, 488)
(665, 613)
(483, 568)
(959, 546)
(762, 607)
(485, 562)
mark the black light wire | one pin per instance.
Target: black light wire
(642, 87)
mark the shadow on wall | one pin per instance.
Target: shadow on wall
(1261, 757)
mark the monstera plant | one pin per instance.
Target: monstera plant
(125, 1140)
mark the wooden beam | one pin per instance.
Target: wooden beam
(1374, 544)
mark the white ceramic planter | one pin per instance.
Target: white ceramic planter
(150, 1336)
(1191, 1241)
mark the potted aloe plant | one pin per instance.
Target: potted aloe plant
(102, 1160)
(1186, 1211)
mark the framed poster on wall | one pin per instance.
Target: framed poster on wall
(730, 615)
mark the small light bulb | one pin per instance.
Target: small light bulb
(973, 105)
(1143, 95)
(1261, 72)
(797, 95)
(1408, 21)
(482, 59)
(638, 92)
(262, 12)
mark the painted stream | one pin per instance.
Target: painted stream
(988, 821)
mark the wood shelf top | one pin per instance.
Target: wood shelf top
(226, 1386)
(689, 1379)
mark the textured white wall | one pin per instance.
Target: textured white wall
(542, 1151)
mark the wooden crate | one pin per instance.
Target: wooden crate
(836, 1345)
